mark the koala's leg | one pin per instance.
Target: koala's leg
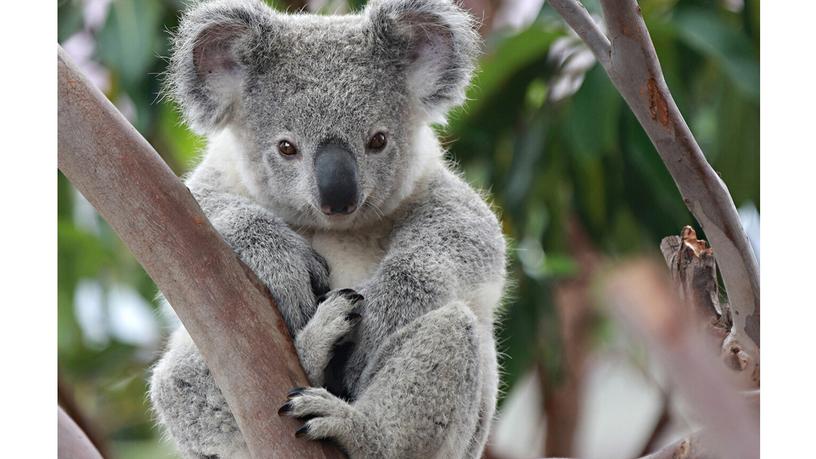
(489, 376)
(424, 398)
(190, 406)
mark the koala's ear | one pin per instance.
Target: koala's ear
(211, 54)
(439, 43)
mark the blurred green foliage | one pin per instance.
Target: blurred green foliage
(546, 155)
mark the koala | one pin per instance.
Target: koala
(324, 175)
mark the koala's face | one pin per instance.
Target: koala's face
(330, 125)
(328, 108)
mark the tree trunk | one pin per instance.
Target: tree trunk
(228, 312)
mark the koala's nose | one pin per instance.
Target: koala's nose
(336, 174)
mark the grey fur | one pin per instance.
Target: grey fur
(424, 253)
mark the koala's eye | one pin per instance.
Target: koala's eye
(377, 141)
(286, 148)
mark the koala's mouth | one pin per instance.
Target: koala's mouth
(346, 220)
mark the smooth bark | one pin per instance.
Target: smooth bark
(72, 443)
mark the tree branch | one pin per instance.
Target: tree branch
(67, 403)
(562, 393)
(634, 69)
(227, 311)
(72, 443)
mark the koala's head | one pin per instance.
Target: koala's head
(327, 109)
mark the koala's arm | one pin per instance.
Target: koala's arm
(282, 259)
(447, 245)
(182, 391)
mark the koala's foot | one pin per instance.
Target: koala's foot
(328, 416)
(324, 343)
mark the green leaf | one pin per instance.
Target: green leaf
(69, 19)
(128, 42)
(509, 57)
(178, 145)
(592, 118)
(712, 35)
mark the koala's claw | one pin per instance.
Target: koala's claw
(295, 392)
(287, 407)
(354, 318)
(304, 430)
(327, 414)
(351, 295)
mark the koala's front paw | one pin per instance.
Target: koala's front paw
(329, 417)
(324, 343)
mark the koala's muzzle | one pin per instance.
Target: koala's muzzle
(336, 174)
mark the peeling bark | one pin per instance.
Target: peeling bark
(694, 270)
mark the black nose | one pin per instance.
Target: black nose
(336, 173)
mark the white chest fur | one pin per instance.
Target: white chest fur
(352, 257)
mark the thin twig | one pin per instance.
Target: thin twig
(563, 395)
(582, 23)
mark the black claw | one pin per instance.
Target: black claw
(355, 298)
(295, 392)
(351, 295)
(353, 317)
(302, 431)
(286, 408)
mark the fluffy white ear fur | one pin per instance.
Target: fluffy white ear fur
(216, 62)
(442, 45)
